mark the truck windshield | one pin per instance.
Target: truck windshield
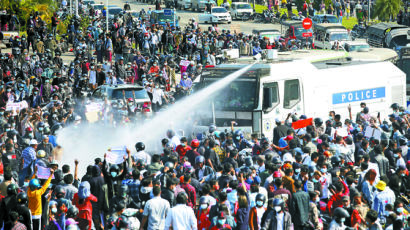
(404, 65)
(271, 36)
(243, 6)
(162, 17)
(240, 95)
(139, 94)
(339, 37)
(358, 47)
(300, 30)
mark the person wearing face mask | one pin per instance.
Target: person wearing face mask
(183, 147)
(278, 218)
(35, 99)
(399, 210)
(82, 200)
(314, 211)
(339, 217)
(113, 176)
(53, 223)
(221, 222)
(203, 213)
(157, 96)
(256, 213)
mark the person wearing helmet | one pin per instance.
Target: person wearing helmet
(193, 153)
(23, 210)
(114, 175)
(45, 145)
(121, 197)
(28, 156)
(202, 170)
(277, 212)
(256, 213)
(62, 205)
(34, 193)
(141, 154)
(339, 216)
(155, 211)
(240, 142)
(203, 213)
(8, 203)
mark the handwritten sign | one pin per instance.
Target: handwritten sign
(116, 155)
(43, 173)
(184, 63)
(16, 106)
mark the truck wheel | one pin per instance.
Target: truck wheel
(229, 22)
(206, 22)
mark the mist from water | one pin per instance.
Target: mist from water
(89, 141)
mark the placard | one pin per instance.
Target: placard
(372, 132)
(16, 106)
(116, 155)
(43, 173)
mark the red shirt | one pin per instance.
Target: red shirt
(190, 190)
(203, 220)
(336, 200)
(85, 209)
(181, 150)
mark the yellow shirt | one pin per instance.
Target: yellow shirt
(34, 198)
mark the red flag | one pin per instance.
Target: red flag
(302, 123)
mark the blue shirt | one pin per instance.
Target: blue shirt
(382, 199)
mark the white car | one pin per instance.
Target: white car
(184, 4)
(217, 15)
(241, 10)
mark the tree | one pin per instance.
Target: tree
(386, 9)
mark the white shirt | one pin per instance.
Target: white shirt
(280, 218)
(181, 217)
(156, 210)
(259, 214)
(157, 95)
(142, 155)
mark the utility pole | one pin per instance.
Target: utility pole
(71, 7)
(76, 8)
(106, 15)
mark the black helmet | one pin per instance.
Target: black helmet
(59, 191)
(114, 168)
(276, 161)
(264, 141)
(318, 121)
(335, 160)
(199, 159)
(395, 106)
(341, 213)
(123, 191)
(278, 202)
(7, 126)
(72, 212)
(261, 197)
(139, 146)
(12, 189)
(122, 222)
(169, 165)
(110, 222)
(22, 198)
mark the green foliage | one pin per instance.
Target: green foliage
(384, 9)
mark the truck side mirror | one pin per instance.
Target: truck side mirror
(179, 18)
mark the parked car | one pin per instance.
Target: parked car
(114, 10)
(217, 15)
(241, 10)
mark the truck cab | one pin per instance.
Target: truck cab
(327, 34)
(295, 30)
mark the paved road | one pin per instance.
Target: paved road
(240, 26)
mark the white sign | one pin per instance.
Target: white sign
(342, 132)
(94, 107)
(184, 63)
(372, 132)
(116, 155)
(16, 106)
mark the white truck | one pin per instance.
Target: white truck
(201, 5)
(270, 91)
(217, 15)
